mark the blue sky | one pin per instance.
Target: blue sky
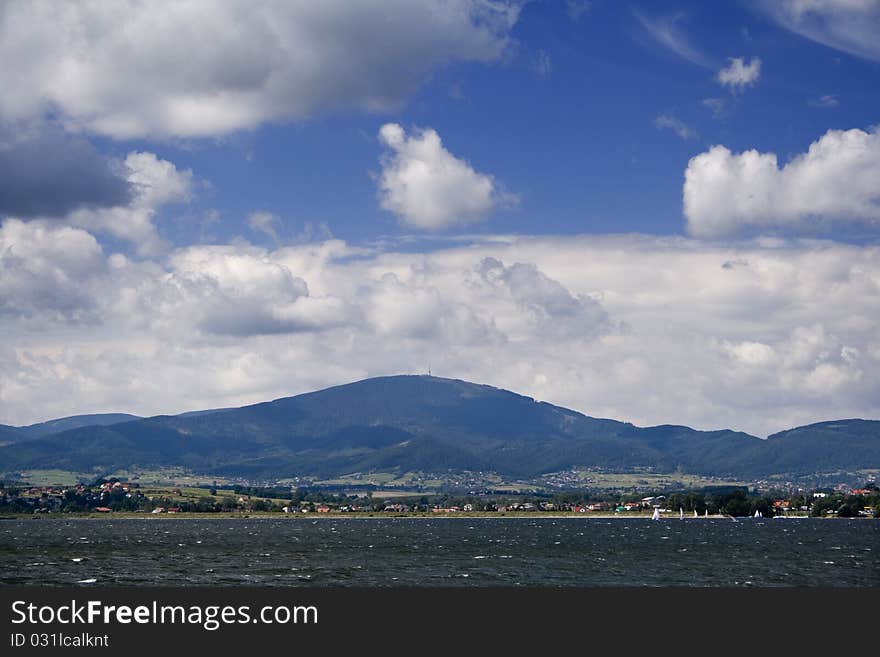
(577, 141)
(651, 211)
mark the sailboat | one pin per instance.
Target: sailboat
(656, 515)
(758, 514)
(680, 513)
(706, 514)
(696, 515)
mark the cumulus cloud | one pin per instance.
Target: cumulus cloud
(554, 310)
(750, 353)
(408, 307)
(46, 173)
(837, 180)
(738, 75)
(429, 188)
(45, 271)
(242, 291)
(818, 358)
(155, 183)
(195, 69)
(642, 328)
(677, 126)
(850, 26)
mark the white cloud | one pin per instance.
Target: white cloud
(676, 125)
(752, 353)
(641, 328)
(429, 188)
(55, 177)
(193, 68)
(414, 309)
(738, 75)
(242, 291)
(666, 32)
(826, 102)
(836, 180)
(266, 223)
(717, 105)
(850, 26)
(548, 307)
(156, 183)
(45, 270)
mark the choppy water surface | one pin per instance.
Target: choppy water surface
(440, 552)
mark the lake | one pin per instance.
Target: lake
(440, 552)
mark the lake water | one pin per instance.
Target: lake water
(440, 552)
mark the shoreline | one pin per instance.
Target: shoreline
(298, 517)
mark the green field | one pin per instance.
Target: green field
(55, 477)
(395, 484)
(647, 481)
(169, 477)
(166, 477)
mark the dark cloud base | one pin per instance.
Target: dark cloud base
(49, 174)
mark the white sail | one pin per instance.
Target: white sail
(696, 515)
(680, 513)
(656, 515)
(757, 514)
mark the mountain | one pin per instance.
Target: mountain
(75, 422)
(828, 446)
(406, 423)
(14, 434)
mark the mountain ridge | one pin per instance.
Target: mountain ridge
(424, 423)
(40, 429)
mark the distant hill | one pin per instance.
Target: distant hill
(10, 434)
(14, 434)
(404, 423)
(827, 446)
(75, 422)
